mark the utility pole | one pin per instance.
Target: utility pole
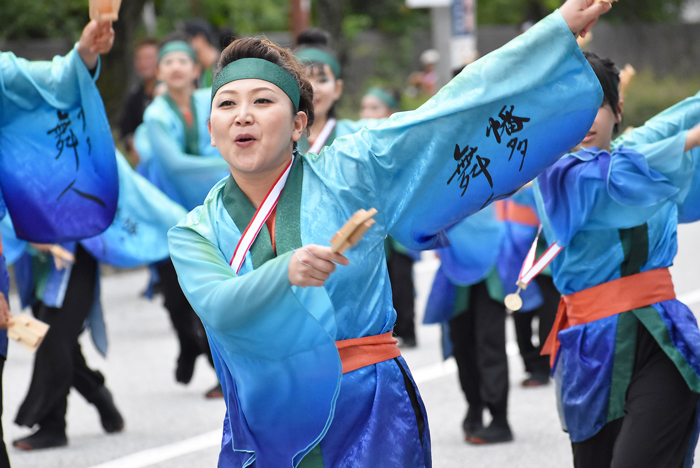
(299, 16)
(453, 33)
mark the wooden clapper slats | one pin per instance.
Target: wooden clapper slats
(27, 331)
(351, 233)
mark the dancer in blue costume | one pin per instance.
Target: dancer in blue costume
(324, 73)
(467, 299)
(178, 158)
(280, 319)
(379, 103)
(34, 92)
(626, 353)
(68, 299)
(174, 145)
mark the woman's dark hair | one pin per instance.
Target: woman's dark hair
(317, 38)
(253, 47)
(174, 36)
(609, 77)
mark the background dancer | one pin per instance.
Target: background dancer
(624, 349)
(467, 299)
(181, 162)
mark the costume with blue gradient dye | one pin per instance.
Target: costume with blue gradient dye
(616, 215)
(176, 158)
(274, 345)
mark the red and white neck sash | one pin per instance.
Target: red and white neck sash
(531, 269)
(264, 211)
(323, 136)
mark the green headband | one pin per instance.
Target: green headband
(387, 98)
(259, 69)
(176, 46)
(313, 55)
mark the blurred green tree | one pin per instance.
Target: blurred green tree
(519, 11)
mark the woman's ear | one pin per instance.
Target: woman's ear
(620, 109)
(338, 89)
(300, 120)
(213, 143)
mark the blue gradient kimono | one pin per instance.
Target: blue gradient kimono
(58, 172)
(682, 116)
(616, 215)
(136, 237)
(274, 345)
(181, 163)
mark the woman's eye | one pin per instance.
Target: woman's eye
(262, 101)
(226, 103)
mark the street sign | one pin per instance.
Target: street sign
(428, 3)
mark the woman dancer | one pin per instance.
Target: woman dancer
(467, 299)
(624, 350)
(324, 73)
(180, 160)
(274, 316)
(379, 103)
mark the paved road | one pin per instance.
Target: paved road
(174, 426)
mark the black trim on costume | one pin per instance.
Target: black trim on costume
(635, 245)
(411, 390)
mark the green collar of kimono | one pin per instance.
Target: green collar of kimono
(191, 133)
(287, 222)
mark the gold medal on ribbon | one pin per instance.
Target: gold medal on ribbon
(513, 301)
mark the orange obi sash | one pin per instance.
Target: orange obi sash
(508, 210)
(361, 352)
(608, 299)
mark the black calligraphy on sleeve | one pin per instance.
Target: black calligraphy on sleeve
(471, 165)
(68, 141)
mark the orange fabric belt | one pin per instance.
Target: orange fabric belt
(361, 352)
(608, 299)
(508, 210)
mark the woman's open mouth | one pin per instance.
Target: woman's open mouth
(244, 140)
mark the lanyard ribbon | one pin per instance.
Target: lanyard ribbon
(322, 137)
(264, 211)
(530, 270)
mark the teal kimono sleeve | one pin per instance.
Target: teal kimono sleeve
(591, 190)
(673, 122)
(190, 176)
(279, 368)
(25, 83)
(492, 129)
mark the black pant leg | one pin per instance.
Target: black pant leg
(659, 416)
(548, 311)
(4, 460)
(492, 360)
(85, 380)
(597, 452)
(52, 377)
(464, 351)
(535, 363)
(188, 326)
(522, 322)
(400, 268)
(659, 411)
